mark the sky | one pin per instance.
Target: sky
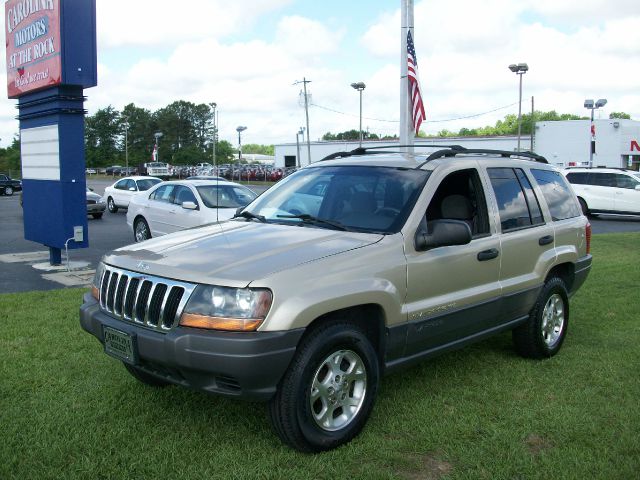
(247, 56)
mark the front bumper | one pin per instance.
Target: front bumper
(247, 365)
(96, 208)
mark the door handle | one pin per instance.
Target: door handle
(546, 240)
(488, 254)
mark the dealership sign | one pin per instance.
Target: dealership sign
(32, 32)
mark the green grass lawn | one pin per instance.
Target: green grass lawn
(67, 410)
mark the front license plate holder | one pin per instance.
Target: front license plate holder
(120, 345)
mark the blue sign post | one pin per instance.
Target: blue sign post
(51, 58)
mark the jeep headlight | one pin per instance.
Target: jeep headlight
(224, 308)
(95, 284)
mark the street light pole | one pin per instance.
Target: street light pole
(588, 104)
(157, 135)
(359, 86)
(126, 145)
(519, 69)
(215, 131)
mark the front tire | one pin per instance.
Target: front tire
(8, 191)
(111, 205)
(542, 335)
(97, 216)
(141, 230)
(326, 396)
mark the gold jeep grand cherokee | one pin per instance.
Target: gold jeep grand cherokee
(352, 267)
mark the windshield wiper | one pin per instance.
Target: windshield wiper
(250, 216)
(305, 217)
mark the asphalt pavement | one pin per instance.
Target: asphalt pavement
(17, 273)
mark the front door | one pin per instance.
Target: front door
(453, 292)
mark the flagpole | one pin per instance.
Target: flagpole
(406, 25)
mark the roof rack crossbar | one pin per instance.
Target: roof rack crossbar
(502, 153)
(372, 150)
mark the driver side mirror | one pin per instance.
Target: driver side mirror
(189, 206)
(444, 233)
(638, 187)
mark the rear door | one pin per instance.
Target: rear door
(601, 191)
(527, 240)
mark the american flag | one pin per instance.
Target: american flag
(417, 107)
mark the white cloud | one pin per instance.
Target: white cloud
(167, 22)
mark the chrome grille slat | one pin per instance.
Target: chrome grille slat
(152, 302)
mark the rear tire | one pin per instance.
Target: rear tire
(141, 230)
(542, 335)
(326, 396)
(144, 377)
(111, 205)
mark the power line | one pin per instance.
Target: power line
(426, 121)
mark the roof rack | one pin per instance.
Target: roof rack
(452, 152)
(372, 150)
(447, 151)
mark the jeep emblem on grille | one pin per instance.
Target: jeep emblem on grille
(143, 266)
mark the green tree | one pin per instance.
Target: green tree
(102, 137)
(620, 115)
(224, 152)
(10, 158)
(258, 149)
(139, 133)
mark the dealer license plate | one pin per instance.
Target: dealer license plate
(120, 345)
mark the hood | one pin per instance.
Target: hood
(234, 253)
(93, 196)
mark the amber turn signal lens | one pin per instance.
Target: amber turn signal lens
(220, 323)
(95, 293)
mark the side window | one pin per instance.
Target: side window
(580, 178)
(625, 181)
(530, 195)
(561, 201)
(603, 179)
(121, 185)
(184, 194)
(512, 202)
(163, 194)
(460, 197)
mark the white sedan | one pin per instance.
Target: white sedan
(120, 193)
(172, 206)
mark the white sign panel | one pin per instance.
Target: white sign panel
(40, 153)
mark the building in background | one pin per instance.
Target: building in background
(567, 143)
(563, 143)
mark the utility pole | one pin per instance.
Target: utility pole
(126, 144)
(306, 112)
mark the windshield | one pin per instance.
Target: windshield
(226, 196)
(147, 183)
(365, 199)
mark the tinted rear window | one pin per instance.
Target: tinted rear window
(561, 201)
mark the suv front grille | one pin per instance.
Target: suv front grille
(145, 300)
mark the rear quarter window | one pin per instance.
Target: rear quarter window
(555, 190)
